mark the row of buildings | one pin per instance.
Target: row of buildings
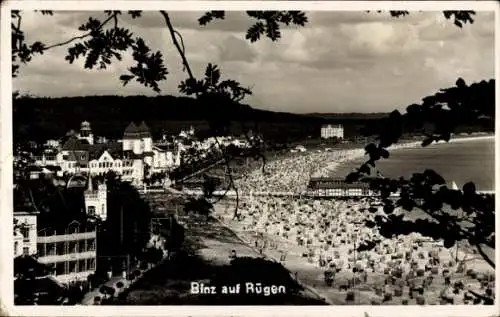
(69, 251)
(134, 157)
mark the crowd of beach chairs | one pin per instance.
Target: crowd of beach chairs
(327, 233)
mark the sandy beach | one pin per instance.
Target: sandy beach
(318, 236)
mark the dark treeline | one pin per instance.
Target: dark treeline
(40, 119)
(44, 118)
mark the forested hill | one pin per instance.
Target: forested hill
(43, 118)
(53, 117)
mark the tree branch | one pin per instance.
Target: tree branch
(111, 17)
(180, 48)
(230, 175)
(484, 255)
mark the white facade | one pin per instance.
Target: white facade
(96, 200)
(130, 166)
(71, 253)
(163, 160)
(137, 172)
(46, 159)
(138, 146)
(332, 130)
(148, 144)
(127, 144)
(25, 233)
(53, 144)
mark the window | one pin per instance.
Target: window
(73, 267)
(103, 208)
(60, 248)
(60, 268)
(81, 246)
(74, 229)
(26, 233)
(91, 245)
(16, 246)
(40, 249)
(91, 210)
(51, 249)
(91, 264)
(82, 267)
(26, 250)
(82, 157)
(73, 247)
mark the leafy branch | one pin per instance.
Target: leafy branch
(427, 192)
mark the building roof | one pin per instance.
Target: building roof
(77, 181)
(75, 144)
(133, 131)
(143, 127)
(131, 128)
(335, 183)
(83, 153)
(113, 148)
(85, 126)
(330, 125)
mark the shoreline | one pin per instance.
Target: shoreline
(355, 154)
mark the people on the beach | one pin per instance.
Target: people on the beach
(327, 233)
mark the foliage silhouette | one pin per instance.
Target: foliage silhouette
(453, 215)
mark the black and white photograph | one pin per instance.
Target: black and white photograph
(185, 156)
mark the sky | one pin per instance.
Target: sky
(339, 62)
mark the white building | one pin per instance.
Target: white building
(53, 144)
(133, 158)
(86, 133)
(332, 130)
(70, 251)
(96, 200)
(25, 233)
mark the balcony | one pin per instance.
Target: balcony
(67, 257)
(66, 237)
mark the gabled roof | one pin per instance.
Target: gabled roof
(80, 156)
(113, 148)
(96, 150)
(143, 128)
(131, 128)
(133, 131)
(75, 144)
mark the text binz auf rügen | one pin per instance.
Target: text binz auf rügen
(240, 288)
